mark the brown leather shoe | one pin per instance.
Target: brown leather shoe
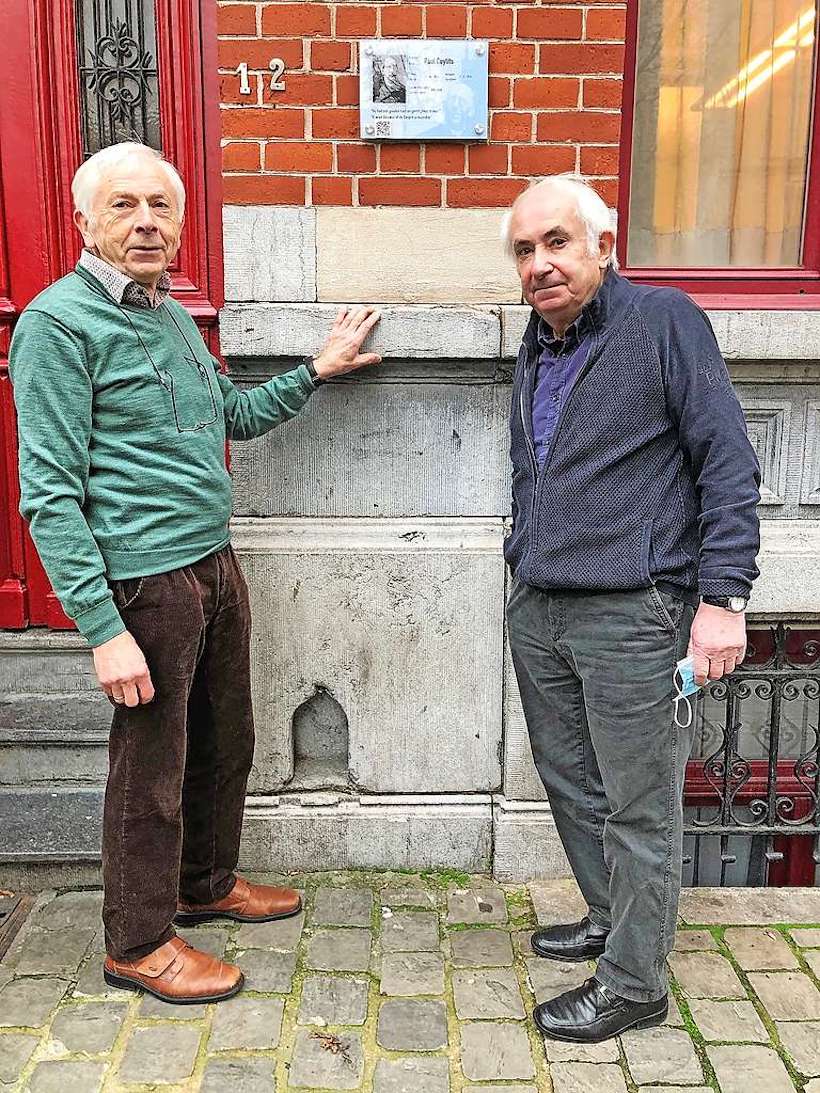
(176, 972)
(244, 903)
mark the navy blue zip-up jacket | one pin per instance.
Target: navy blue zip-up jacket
(650, 475)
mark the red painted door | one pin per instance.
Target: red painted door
(77, 75)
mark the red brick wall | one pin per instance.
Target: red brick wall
(556, 74)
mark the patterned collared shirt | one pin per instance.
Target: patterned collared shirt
(560, 361)
(120, 285)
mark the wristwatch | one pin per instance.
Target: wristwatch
(311, 367)
(735, 604)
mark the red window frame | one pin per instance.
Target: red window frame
(728, 287)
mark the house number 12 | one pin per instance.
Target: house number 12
(277, 67)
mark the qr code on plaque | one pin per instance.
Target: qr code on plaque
(384, 127)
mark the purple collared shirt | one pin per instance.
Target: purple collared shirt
(558, 366)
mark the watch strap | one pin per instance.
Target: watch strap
(311, 367)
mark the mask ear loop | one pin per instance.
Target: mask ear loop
(682, 698)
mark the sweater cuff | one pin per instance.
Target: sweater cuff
(100, 623)
(718, 587)
(306, 380)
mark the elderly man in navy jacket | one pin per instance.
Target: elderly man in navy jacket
(633, 547)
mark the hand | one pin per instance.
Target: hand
(717, 642)
(122, 671)
(340, 353)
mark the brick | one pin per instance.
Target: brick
(498, 91)
(399, 157)
(296, 19)
(401, 21)
(603, 160)
(230, 89)
(263, 190)
(356, 158)
(512, 57)
(263, 122)
(347, 90)
(511, 126)
(241, 157)
(335, 124)
(257, 54)
(236, 19)
(446, 21)
(607, 94)
(399, 191)
(329, 56)
(607, 190)
(306, 90)
(488, 159)
(355, 21)
(332, 191)
(444, 159)
(301, 157)
(544, 92)
(609, 25)
(469, 193)
(549, 23)
(492, 22)
(580, 126)
(586, 58)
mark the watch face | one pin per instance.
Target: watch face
(737, 604)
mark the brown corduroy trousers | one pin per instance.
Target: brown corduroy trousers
(179, 765)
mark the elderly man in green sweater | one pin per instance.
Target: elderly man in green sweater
(123, 416)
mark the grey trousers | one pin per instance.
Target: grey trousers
(595, 676)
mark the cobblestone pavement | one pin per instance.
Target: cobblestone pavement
(398, 983)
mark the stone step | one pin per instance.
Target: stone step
(50, 825)
(54, 738)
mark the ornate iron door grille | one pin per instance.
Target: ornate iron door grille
(119, 78)
(754, 779)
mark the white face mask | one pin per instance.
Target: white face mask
(684, 680)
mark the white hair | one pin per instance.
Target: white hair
(89, 175)
(592, 210)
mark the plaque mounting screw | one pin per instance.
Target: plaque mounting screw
(368, 50)
(370, 129)
(479, 129)
(480, 49)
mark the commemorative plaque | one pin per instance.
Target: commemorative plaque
(423, 89)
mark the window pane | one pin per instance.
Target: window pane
(119, 93)
(723, 98)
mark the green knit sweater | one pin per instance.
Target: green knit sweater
(122, 417)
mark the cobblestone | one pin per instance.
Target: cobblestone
(481, 949)
(332, 1000)
(333, 997)
(91, 1027)
(412, 1075)
(412, 973)
(247, 1024)
(327, 1061)
(760, 950)
(57, 1076)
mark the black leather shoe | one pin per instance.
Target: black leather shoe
(573, 942)
(592, 1012)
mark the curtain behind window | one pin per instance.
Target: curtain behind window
(723, 99)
